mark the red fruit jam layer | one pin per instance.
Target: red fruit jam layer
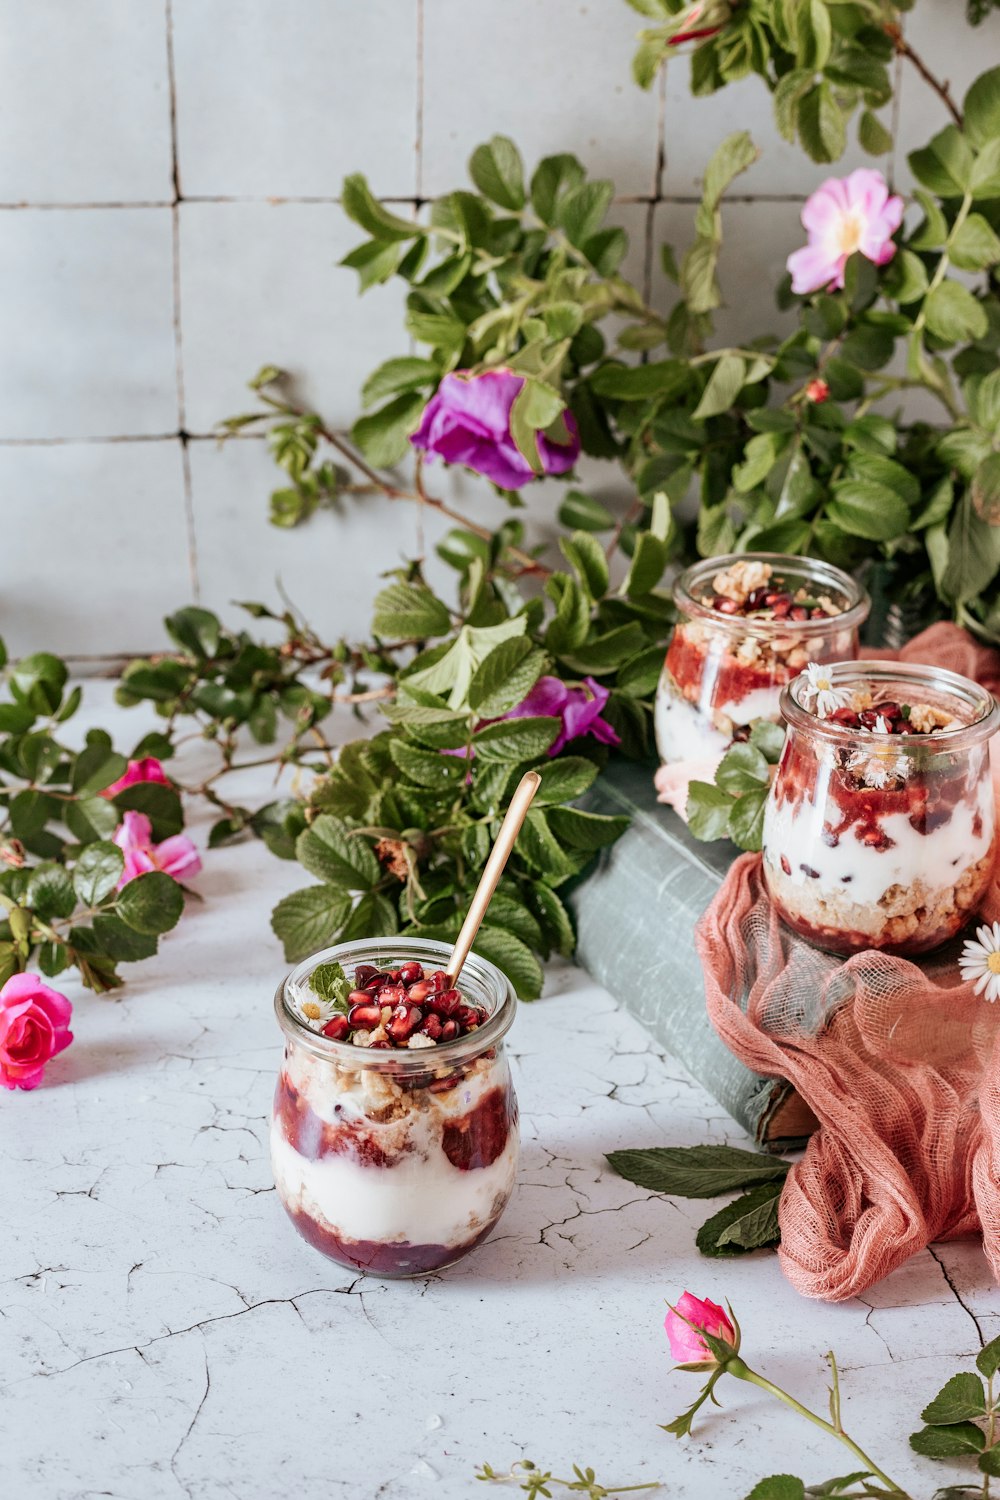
(475, 1139)
(731, 680)
(393, 1259)
(927, 798)
(842, 940)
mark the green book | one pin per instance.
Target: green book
(636, 912)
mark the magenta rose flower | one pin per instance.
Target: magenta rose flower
(579, 708)
(683, 1323)
(136, 772)
(844, 215)
(176, 857)
(34, 1027)
(467, 421)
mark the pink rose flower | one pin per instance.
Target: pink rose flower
(579, 708)
(674, 782)
(176, 857)
(686, 1344)
(34, 1023)
(137, 771)
(467, 421)
(844, 215)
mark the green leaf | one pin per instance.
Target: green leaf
(97, 768)
(587, 558)
(975, 245)
(778, 1487)
(50, 892)
(875, 138)
(38, 680)
(743, 769)
(729, 159)
(821, 124)
(769, 739)
(409, 610)
(571, 623)
(151, 903)
(866, 509)
(945, 165)
(91, 818)
(15, 718)
(708, 809)
(981, 110)
(639, 677)
(724, 386)
(121, 942)
(664, 378)
(586, 830)
(973, 554)
(746, 821)
(554, 177)
(326, 851)
(310, 919)
(498, 172)
(395, 375)
(453, 670)
(513, 957)
(985, 181)
(161, 804)
(986, 490)
(953, 313)
(360, 204)
(962, 1397)
(384, 436)
(649, 561)
(948, 1442)
(195, 630)
(374, 915)
(375, 261)
(331, 983)
(564, 778)
(988, 1358)
(505, 677)
(748, 1223)
(581, 210)
(516, 739)
(426, 768)
(580, 512)
(989, 1462)
(554, 918)
(29, 813)
(696, 1171)
(97, 871)
(536, 406)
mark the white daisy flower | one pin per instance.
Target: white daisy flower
(315, 1011)
(819, 694)
(878, 769)
(882, 725)
(980, 961)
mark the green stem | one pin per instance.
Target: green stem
(743, 1372)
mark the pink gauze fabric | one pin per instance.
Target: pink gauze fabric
(900, 1063)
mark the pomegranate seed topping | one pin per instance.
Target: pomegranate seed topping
(889, 710)
(337, 1028)
(467, 1015)
(817, 614)
(441, 980)
(379, 1046)
(725, 606)
(419, 992)
(449, 1030)
(845, 716)
(777, 596)
(363, 974)
(358, 997)
(446, 1003)
(410, 973)
(390, 994)
(375, 983)
(405, 1020)
(390, 976)
(365, 1016)
(785, 865)
(782, 610)
(798, 613)
(757, 599)
(432, 1027)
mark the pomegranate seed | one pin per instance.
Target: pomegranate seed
(467, 1015)
(781, 611)
(405, 1020)
(363, 974)
(379, 1046)
(441, 980)
(442, 1085)
(365, 1016)
(390, 976)
(449, 1030)
(410, 973)
(432, 1026)
(845, 716)
(419, 992)
(337, 1028)
(757, 598)
(888, 710)
(817, 614)
(358, 997)
(725, 606)
(391, 994)
(446, 1003)
(798, 613)
(373, 984)
(785, 865)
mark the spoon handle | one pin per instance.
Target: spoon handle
(492, 870)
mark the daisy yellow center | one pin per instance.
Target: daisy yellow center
(993, 963)
(823, 683)
(311, 1010)
(849, 234)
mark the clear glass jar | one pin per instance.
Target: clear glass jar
(877, 840)
(724, 669)
(399, 1161)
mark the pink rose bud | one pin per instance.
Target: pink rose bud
(137, 772)
(683, 1323)
(817, 391)
(34, 1027)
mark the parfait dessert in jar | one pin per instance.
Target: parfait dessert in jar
(394, 1132)
(747, 624)
(880, 825)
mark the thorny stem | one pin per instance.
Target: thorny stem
(939, 85)
(742, 1371)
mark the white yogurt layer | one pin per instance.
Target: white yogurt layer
(422, 1199)
(685, 730)
(938, 859)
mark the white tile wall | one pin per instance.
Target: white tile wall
(129, 275)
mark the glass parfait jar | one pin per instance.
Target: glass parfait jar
(395, 1161)
(878, 839)
(747, 624)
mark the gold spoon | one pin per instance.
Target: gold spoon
(492, 870)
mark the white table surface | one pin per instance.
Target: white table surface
(164, 1333)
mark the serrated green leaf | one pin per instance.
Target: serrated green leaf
(587, 557)
(562, 779)
(151, 903)
(310, 919)
(988, 1358)
(746, 821)
(948, 1442)
(743, 769)
(953, 314)
(409, 610)
(360, 204)
(748, 1223)
(724, 386)
(778, 1487)
(513, 957)
(708, 809)
(97, 768)
(327, 851)
(498, 172)
(960, 1398)
(696, 1171)
(97, 871)
(50, 892)
(581, 512)
(586, 830)
(516, 739)
(505, 677)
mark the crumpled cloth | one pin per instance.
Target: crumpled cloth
(899, 1061)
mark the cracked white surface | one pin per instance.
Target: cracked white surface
(165, 1334)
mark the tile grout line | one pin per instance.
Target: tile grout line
(419, 143)
(405, 200)
(192, 546)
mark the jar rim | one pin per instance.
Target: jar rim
(397, 1060)
(857, 600)
(935, 680)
